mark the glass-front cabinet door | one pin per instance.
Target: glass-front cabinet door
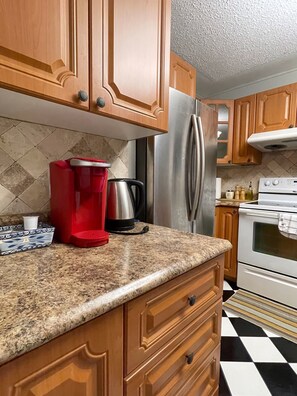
(225, 110)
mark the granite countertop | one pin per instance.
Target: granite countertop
(48, 291)
(230, 202)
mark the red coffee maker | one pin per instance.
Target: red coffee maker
(78, 201)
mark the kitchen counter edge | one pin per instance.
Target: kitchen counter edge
(48, 305)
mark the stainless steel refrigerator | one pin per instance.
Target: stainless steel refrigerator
(179, 167)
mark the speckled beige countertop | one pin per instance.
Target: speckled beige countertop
(230, 202)
(48, 291)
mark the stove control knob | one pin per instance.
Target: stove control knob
(275, 182)
(267, 183)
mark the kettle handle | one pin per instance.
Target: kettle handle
(138, 184)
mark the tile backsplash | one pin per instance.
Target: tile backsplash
(26, 150)
(277, 164)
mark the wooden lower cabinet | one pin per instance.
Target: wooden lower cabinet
(153, 319)
(164, 342)
(88, 361)
(226, 227)
(181, 363)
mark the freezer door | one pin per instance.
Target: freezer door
(207, 120)
(169, 157)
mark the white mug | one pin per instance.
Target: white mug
(30, 222)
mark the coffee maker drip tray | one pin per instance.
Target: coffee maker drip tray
(90, 238)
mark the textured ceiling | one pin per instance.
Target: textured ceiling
(235, 41)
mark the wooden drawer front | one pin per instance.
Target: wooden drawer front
(154, 318)
(205, 380)
(169, 373)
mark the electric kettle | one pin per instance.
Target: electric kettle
(122, 206)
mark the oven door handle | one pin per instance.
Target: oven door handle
(258, 213)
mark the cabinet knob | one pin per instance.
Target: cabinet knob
(82, 96)
(189, 358)
(100, 102)
(192, 300)
(291, 126)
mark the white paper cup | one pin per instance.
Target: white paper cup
(30, 222)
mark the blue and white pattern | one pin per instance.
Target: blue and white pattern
(15, 239)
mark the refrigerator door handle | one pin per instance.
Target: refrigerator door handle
(195, 170)
(189, 168)
(201, 165)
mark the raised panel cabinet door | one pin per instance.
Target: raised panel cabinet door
(44, 48)
(244, 126)
(227, 228)
(130, 60)
(182, 75)
(87, 361)
(276, 108)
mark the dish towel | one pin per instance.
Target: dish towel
(287, 225)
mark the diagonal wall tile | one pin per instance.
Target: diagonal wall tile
(7, 123)
(35, 196)
(16, 179)
(17, 206)
(34, 162)
(35, 132)
(58, 143)
(14, 143)
(5, 161)
(6, 197)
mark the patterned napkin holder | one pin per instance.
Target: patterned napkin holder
(15, 239)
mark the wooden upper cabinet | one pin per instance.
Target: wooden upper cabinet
(130, 60)
(88, 361)
(44, 48)
(225, 110)
(182, 75)
(276, 108)
(244, 126)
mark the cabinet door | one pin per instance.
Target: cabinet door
(182, 75)
(87, 361)
(226, 227)
(244, 126)
(130, 60)
(225, 110)
(44, 48)
(276, 108)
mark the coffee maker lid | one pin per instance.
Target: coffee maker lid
(89, 162)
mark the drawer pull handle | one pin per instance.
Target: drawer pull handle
(189, 358)
(192, 300)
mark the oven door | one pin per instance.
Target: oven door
(260, 243)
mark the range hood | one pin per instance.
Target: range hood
(282, 139)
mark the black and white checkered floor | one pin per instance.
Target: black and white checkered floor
(254, 361)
